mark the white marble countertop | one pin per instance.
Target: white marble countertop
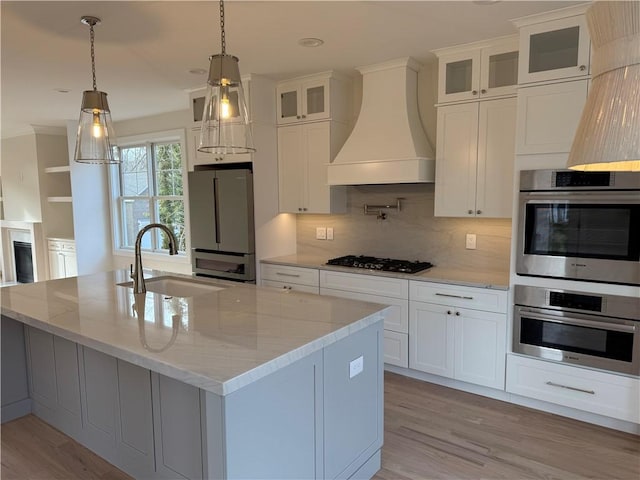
(219, 341)
(472, 278)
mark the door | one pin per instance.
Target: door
(459, 76)
(499, 70)
(496, 156)
(317, 142)
(233, 206)
(480, 353)
(315, 100)
(456, 159)
(201, 209)
(288, 103)
(56, 265)
(431, 338)
(291, 168)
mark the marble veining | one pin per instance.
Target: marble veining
(219, 341)
(455, 276)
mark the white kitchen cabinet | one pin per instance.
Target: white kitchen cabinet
(615, 396)
(548, 116)
(377, 289)
(311, 98)
(478, 70)
(304, 151)
(62, 258)
(466, 344)
(289, 278)
(194, 157)
(553, 49)
(474, 159)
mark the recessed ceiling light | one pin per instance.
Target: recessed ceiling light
(197, 71)
(62, 90)
(310, 42)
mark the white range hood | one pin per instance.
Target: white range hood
(388, 143)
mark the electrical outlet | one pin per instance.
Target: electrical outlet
(321, 233)
(356, 366)
(329, 233)
(471, 241)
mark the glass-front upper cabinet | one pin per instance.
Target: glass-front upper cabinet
(303, 101)
(478, 70)
(554, 50)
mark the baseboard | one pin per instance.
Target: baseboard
(16, 410)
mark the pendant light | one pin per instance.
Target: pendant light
(95, 140)
(608, 135)
(225, 121)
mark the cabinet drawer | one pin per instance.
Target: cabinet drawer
(396, 349)
(455, 296)
(286, 274)
(398, 318)
(592, 391)
(68, 245)
(293, 287)
(388, 287)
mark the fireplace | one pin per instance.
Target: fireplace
(24, 262)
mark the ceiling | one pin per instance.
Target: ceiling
(145, 49)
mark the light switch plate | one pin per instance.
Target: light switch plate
(356, 366)
(329, 233)
(471, 241)
(321, 233)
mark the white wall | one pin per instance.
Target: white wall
(20, 183)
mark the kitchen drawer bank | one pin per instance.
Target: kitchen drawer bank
(308, 416)
(477, 339)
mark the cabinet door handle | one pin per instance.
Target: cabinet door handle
(448, 312)
(583, 68)
(575, 389)
(474, 92)
(304, 116)
(484, 90)
(304, 209)
(470, 212)
(453, 296)
(457, 314)
(297, 116)
(287, 274)
(478, 212)
(299, 209)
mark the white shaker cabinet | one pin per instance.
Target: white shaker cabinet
(290, 278)
(478, 70)
(62, 258)
(459, 333)
(321, 96)
(304, 151)
(553, 49)
(548, 116)
(474, 159)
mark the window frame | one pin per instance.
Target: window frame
(117, 199)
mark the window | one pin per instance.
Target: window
(150, 189)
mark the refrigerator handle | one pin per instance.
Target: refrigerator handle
(216, 213)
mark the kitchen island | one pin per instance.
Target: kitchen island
(235, 381)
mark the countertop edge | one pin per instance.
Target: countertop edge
(320, 265)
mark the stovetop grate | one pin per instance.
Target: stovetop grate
(382, 264)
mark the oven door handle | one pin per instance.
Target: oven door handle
(579, 322)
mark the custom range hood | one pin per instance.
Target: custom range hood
(388, 144)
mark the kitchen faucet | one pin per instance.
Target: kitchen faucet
(136, 273)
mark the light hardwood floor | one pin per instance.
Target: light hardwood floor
(431, 432)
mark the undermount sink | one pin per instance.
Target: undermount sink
(176, 286)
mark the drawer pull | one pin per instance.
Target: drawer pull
(453, 296)
(287, 274)
(590, 392)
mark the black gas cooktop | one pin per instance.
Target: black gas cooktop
(382, 264)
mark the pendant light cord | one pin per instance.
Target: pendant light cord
(93, 57)
(222, 36)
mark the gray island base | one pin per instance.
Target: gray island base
(238, 383)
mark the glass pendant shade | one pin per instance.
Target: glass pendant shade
(608, 135)
(95, 139)
(226, 128)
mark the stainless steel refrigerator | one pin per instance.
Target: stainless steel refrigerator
(222, 227)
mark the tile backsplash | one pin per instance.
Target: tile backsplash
(411, 234)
